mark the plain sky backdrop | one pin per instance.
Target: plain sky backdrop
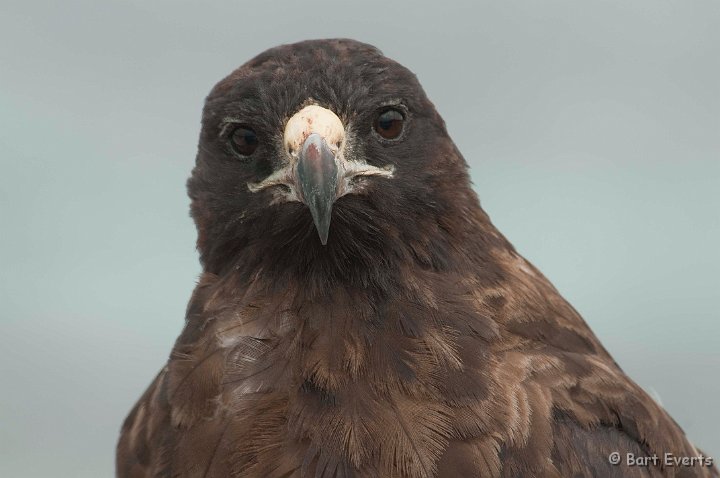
(592, 129)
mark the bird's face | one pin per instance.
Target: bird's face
(318, 146)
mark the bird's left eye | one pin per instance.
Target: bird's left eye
(389, 123)
(244, 140)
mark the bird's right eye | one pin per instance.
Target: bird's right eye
(244, 140)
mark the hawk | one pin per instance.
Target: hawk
(358, 314)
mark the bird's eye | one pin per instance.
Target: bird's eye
(244, 140)
(389, 123)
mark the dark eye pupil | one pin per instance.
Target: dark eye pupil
(389, 124)
(386, 123)
(244, 140)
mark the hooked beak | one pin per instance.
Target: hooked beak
(317, 179)
(317, 171)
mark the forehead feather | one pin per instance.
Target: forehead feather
(301, 55)
(341, 70)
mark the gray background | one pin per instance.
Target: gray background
(592, 130)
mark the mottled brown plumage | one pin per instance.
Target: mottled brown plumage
(416, 343)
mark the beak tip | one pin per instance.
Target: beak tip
(324, 232)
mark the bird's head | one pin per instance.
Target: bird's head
(324, 155)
